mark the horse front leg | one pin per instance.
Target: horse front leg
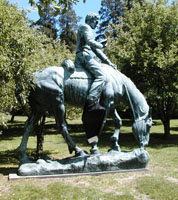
(115, 137)
(62, 127)
(29, 126)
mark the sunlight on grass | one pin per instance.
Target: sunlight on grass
(157, 188)
(160, 182)
(60, 191)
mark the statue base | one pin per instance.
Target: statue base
(104, 162)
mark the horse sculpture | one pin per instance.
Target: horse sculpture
(56, 85)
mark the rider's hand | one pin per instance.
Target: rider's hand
(107, 61)
(114, 66)
(104, 43)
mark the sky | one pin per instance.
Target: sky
(81, 9)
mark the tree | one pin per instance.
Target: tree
(23, 50)
(146, 49)
(68, 25)
(60, 6)
(47, 21)
(110, 12)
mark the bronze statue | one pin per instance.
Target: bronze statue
(54, 85)
(97, 87)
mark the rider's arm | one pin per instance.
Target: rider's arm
(99, 53)
(89, 38)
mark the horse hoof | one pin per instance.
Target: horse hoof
(116, 148)
(81, 153)
(24, 160)
(70, 150)
(94, 151)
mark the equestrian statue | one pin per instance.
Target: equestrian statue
(96, 87)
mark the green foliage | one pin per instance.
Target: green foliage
(72, 112)
(68, 25)
(109, 15)
(60, 6)
(65, 21)
(144, 46)
(23, 50)
(47, 21)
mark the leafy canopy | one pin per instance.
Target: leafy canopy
(145, 47)
(23, 50)
(60, 6)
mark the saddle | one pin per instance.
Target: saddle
(80, 73)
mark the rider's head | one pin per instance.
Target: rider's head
(92, 20)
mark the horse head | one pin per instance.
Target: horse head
(141, 130)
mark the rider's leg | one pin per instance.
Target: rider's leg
(85, 60)
(93, 142)
(93, 114)
(99, 82)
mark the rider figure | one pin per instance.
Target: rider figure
(86, 46)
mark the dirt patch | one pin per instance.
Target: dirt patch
(4, 185)
(132, 176)
(171, 179)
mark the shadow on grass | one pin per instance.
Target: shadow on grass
(12, 158)
(16, 129)
(158, 141)
(174, 128)
(126, 140)
(8, 170)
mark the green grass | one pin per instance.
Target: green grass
(160, 182)
(157, 187)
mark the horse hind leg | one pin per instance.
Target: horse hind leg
(29, 126)
(115, 137)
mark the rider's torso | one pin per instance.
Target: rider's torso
(82, 36)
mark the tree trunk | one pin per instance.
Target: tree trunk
(40, 137)
(166, 123)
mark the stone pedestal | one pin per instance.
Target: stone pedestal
(108, 161)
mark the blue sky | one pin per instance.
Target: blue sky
(81, 9)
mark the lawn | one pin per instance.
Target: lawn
(160, 182)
